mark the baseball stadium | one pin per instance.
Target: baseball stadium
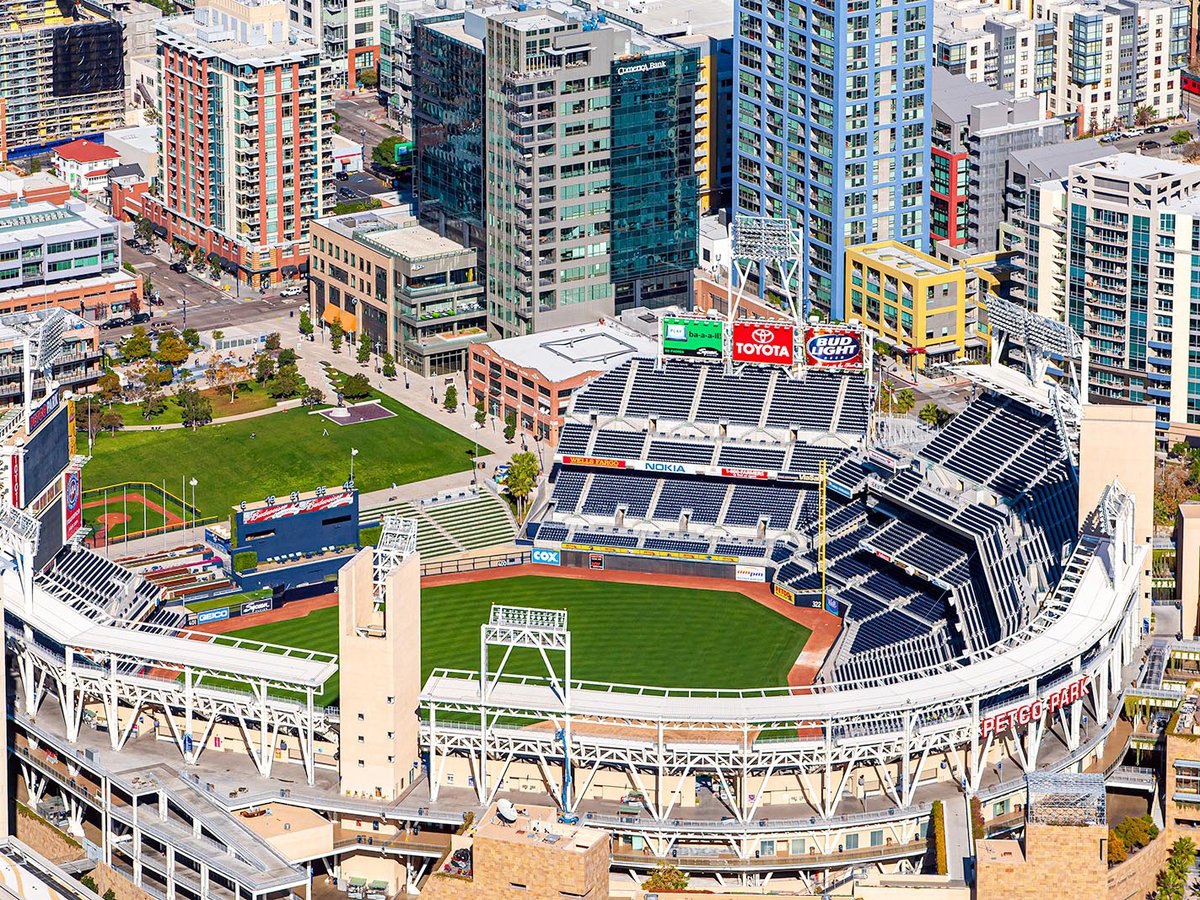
(751, 627)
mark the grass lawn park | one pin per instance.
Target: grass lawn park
(622, 633)
(251, 397)
(290, 450)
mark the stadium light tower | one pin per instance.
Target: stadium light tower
(765, 243)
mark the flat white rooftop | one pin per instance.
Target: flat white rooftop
(567, 352)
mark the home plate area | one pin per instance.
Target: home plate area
(359, 412)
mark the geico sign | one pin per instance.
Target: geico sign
(756, 342)
(1034, 709)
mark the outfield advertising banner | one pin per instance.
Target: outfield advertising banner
(251, 607)
(543, 556)
(312, 504)
(783, 593)
(212, 615)
(72, 504)
(764, 342)
(751, 573)
(594, 462)
(693, 338)
(831, 347)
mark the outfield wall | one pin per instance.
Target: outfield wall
(660, 563)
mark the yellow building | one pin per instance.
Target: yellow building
(927, 309)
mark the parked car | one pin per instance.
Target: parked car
(180, 267)
(293, 291)
(1136, 132)
(1149, 145)
(140, 317)
(341, 176)
(115, 322)
(1156, 129)
(1111, 138)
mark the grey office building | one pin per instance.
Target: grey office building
(986, 125)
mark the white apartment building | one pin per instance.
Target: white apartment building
(1002, 48)
(1114, 57)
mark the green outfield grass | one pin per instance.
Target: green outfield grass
(288, 452)
(623, 633)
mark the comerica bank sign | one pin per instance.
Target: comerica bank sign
(642, 67)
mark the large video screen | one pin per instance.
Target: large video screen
(46, 454)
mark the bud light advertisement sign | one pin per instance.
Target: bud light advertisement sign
(829, 347)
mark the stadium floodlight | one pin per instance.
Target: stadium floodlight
(1042, 340)
(397, 542)
(761, 244)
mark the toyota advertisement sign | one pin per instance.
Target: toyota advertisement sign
(764, 342)
(693, 338)
(831, 347)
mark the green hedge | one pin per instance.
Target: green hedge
(244, 559)
(937, 828)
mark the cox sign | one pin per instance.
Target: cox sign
(763, 342)
(545, 557)
(833, 348)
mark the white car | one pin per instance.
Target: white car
(291, 292)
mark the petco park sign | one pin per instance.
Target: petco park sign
(1033, 710)
(762, 342)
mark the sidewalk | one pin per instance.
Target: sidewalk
(253, 414)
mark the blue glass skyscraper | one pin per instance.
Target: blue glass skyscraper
(832, 122)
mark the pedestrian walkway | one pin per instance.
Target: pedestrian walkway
(253, 414)
(958, 837)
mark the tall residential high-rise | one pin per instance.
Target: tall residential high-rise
(245, 137)
(832, 129)
(585, 159)
(62, 72)
(1132, 221)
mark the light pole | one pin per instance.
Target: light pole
(353, 453)
(193, 484)
(475, 426)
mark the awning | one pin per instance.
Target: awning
(334, 314)
(288, 271)
(228, 265)
(214, 256)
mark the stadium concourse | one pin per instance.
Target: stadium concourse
(979, 589)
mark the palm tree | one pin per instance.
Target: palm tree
(929, 414)
(905, 401)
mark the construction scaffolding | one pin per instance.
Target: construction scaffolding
(1065, 798)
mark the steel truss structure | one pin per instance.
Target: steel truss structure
(268, 692)
(1060, 798)
(1016, 697)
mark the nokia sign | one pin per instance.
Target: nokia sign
(665, 467)
(833, 348)
(763, 342)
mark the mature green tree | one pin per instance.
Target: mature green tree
(137, 345)
(905, 401)
(194, 408)
(389, 366)
(272, 341)
(191, 336)
(172, 350)
(336, 333)
(286, 383)
(929, 414)
(306, 323)
(109, 386)
(510, 427)
(450, 401)
(313, 396)
(356, 387)
(480, 413)
(286, 357)
(264, 367)
(364, 348)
